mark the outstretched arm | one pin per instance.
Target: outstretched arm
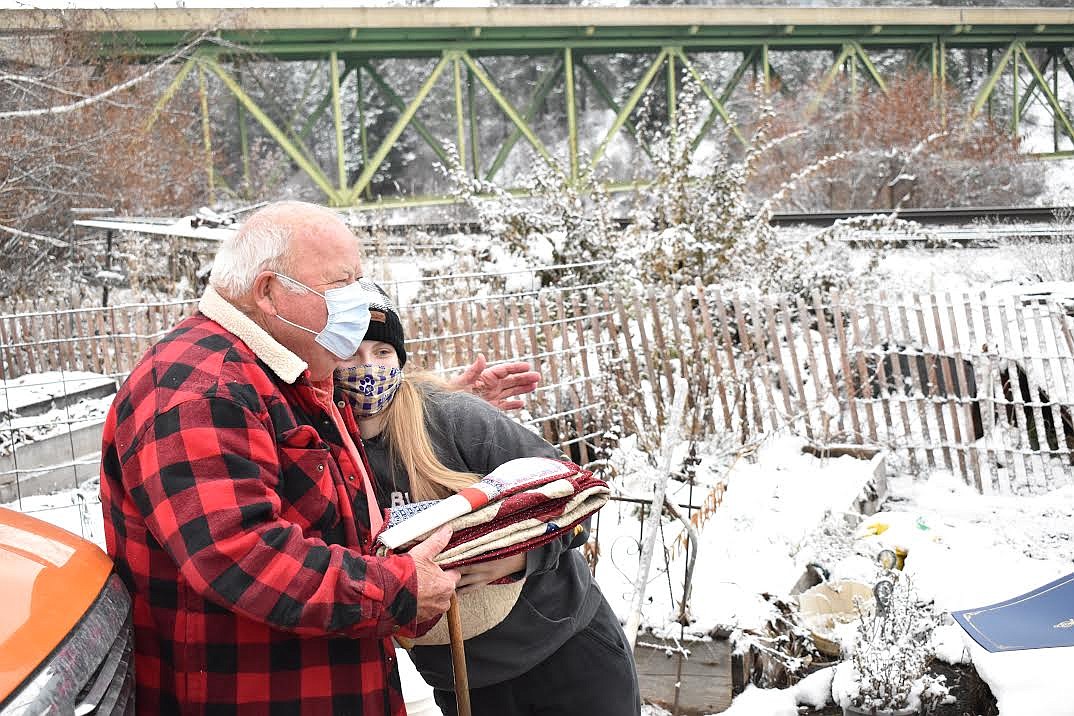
(498, 384)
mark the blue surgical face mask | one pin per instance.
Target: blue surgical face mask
(348, 318)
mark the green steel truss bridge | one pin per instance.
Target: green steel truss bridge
(428, 82)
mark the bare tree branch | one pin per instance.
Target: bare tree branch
(35, 237)
(65, 108)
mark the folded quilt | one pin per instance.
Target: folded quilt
(520, 505)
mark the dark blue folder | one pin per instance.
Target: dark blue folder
(1039, 619)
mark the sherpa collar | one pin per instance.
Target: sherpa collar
(283, 362)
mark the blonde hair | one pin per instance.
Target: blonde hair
(409, 444)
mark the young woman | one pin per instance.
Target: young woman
(546, 642)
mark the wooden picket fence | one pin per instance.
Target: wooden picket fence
(982, 385)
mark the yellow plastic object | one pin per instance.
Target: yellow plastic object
(50, 578)
(826, 606)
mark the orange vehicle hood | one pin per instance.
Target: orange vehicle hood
(48, 579)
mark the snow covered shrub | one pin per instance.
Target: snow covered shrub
(562, 222)
(898, 148)
(1052, 259)
(699, 220)
(886, 667)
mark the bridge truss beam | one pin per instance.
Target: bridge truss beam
(362, 59)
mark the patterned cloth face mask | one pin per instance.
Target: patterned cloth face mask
(348, 318)
(368, 388)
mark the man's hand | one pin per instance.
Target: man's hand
(435, 585)
(475, 576)
(499, 384)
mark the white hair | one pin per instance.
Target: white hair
(262, 244)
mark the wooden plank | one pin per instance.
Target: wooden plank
(767, 304)
(969, 432)
(703, 677)
(1064, 362)
(863, 371)
(932, 384)
(516, 344)
(749, 353)
(991, 347)
(949, 386)
(538, 365)
(1033, 382)
(1014, 412)
(631, 353)
(611, 356)
(27, 344)
(687, 359)
(805, 318)
(738, 384)
(555, 397)
(660, 344)
(799, 384)
(1048, 376)
(822, 329)
(1065, 373)
(101, 338)
(979, 353)
(647, 357)
(457, 349)
(917, 383)
(581, 314)
(844, 362)
(760, 342)
(714, 355)
(699, 354)
(571, 373)
(872, 335)
(7, 365)
(1037, 472)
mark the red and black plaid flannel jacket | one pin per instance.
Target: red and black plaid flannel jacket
(236, 520)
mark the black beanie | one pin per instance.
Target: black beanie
(384, 323)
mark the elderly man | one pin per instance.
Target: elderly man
(237, 500)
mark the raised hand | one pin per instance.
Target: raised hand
(498, 384)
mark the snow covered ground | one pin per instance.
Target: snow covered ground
(783, 509)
